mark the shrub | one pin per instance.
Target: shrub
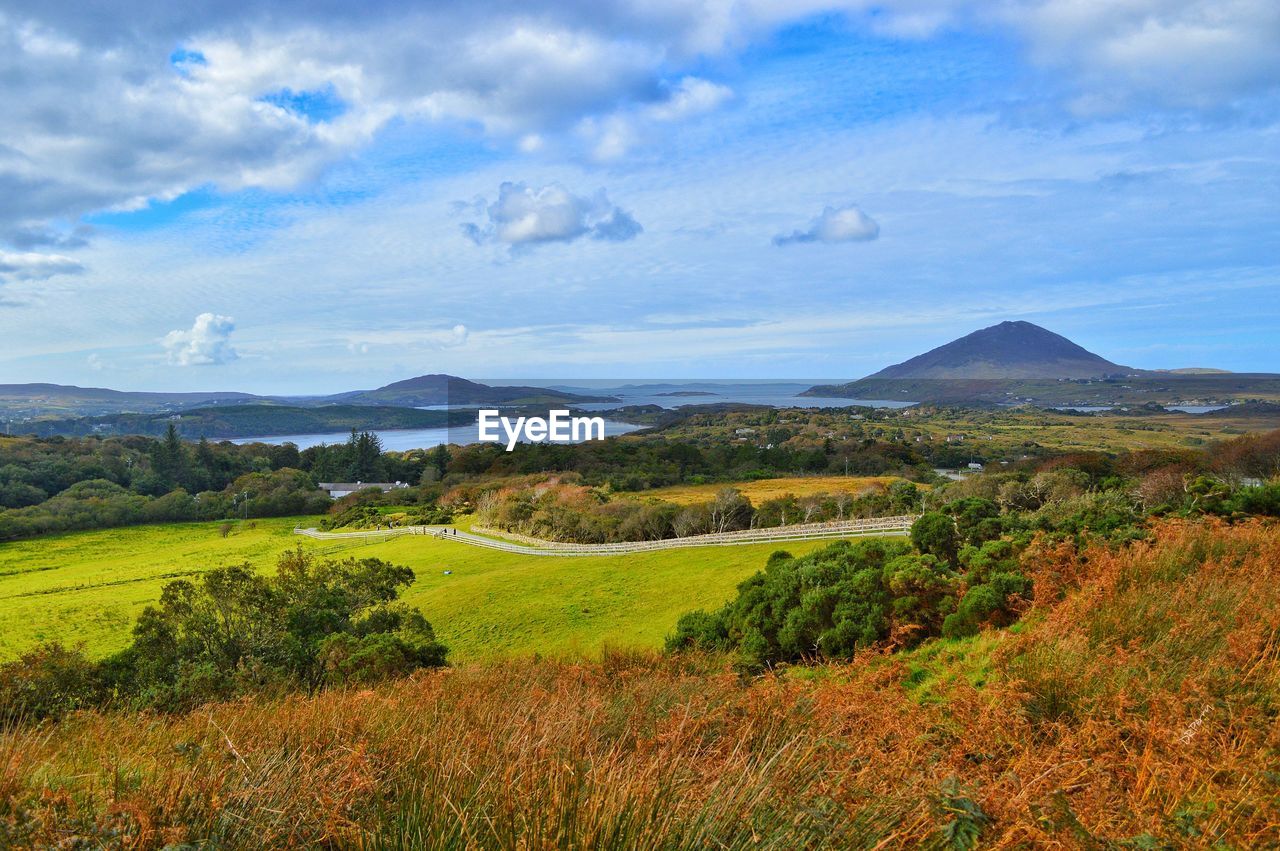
(827, 604)
(935, 533)
(47, 682)
(313, 623)
(698, 631)
(1263, 501)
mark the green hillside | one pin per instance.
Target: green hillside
(254, 420)
(88, 587)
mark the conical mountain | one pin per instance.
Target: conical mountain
(1007, 350)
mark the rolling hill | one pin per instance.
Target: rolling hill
(439, 389)
(66, 399)
(237, 421)
(48, 409)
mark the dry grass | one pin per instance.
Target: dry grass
(762, 489)
(1136, 708)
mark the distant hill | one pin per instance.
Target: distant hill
(69, 399)
(441, 389)
(1244, 410)
(236, 421)
(1017, 363)
(23, 405)
(1007, 350)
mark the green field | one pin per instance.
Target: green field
(88, 586)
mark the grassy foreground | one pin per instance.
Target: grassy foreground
(1136, 708)
(89, 586)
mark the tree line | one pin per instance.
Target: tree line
(62, 484)
(563, 508)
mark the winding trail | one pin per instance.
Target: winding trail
(536, 547)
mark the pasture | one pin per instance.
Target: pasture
(763, 489)
(88, 587)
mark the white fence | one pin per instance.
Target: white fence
(530, 546)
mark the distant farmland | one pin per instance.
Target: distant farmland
(763, 489)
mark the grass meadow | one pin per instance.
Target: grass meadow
(88, 587)
(762, 489)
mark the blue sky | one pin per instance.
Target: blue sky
(295, 198)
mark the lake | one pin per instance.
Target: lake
(1097, 409)
(401, 440)
(665, 394)
(675, 394)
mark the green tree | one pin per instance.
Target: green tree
(204, 468)
(169, 458)
(438, 461)
(935, 533)
(977, 519)
(365, 454)
(315, 622)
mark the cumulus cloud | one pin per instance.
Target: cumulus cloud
(208, 342)
(836, 224)
(524, 216)
(31, 266)
(101, 111)
(455, 336)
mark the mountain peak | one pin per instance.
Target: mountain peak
(434, 381)
(1010, 349)
(441, 389)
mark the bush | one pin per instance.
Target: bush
(1263, 501)
(977, 519)
(850, 595)
(47, 682)
(827, 604)
(935, 533)
(698, 631)
(355, 517)
(315, 623)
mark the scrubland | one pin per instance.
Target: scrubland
(1134, 705)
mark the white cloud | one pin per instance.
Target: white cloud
(30, 266)
(208, 342)
(691, 96)
(1197, 54)
(527, 216)
(404, 340)
(1115, 57)
(456, 336)
(100, 113)
(836, 224)
(613, 136)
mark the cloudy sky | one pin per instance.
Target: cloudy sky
(306, 197)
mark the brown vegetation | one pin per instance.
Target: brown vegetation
(1136, 708)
